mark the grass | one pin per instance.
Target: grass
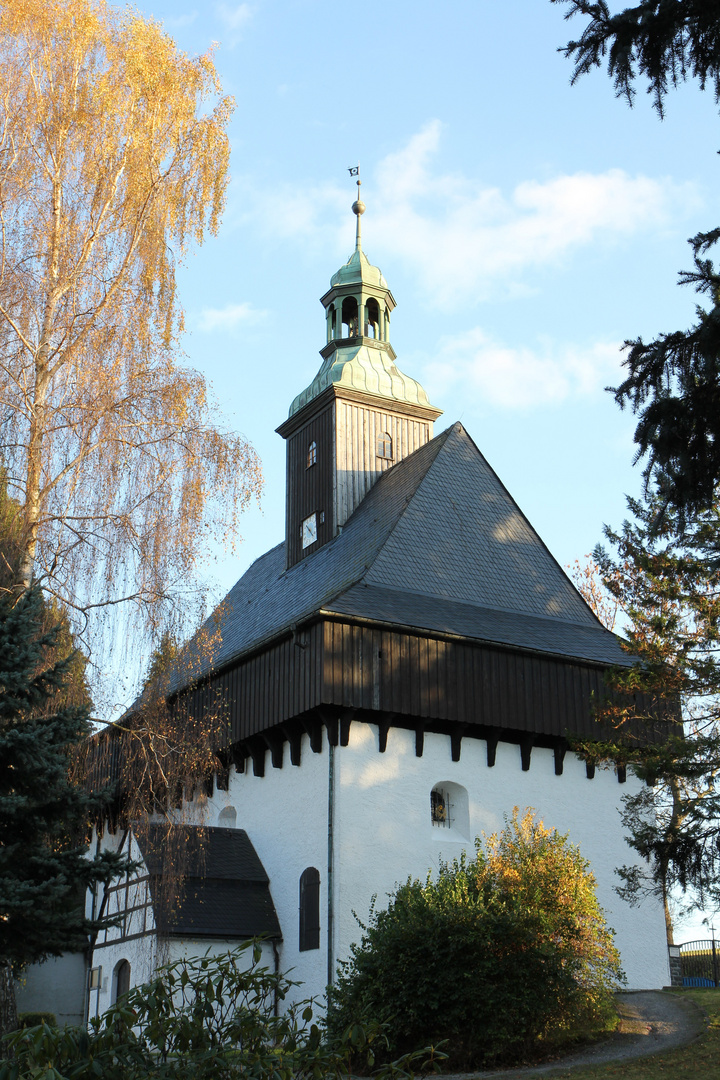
(700, 1058)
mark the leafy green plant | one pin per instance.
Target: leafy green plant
(211, 1017)
(505, 956)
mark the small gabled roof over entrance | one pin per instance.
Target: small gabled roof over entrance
(439, 544)
(224, 890)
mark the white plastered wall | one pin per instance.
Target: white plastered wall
(384, 833)
(285, 814)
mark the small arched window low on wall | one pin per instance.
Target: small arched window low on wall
(227, 818)
(439, 808)
(121, 979)
(309, 931)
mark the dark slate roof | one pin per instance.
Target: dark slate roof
(438, 543)
(225, 891)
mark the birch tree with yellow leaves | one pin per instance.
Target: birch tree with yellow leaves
(113, 161)
(114, 472)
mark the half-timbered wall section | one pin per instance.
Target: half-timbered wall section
(130, 902)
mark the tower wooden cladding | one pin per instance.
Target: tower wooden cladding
(338, 446)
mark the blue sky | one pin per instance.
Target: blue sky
(526, 228)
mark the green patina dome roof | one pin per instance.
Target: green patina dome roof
(364, 368)
(359, 268)
(360, 365)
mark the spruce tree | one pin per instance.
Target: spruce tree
(44, 816)
(667, 584)
(672, 383)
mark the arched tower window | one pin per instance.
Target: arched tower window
(227, 818)
(331, 323)
(309, 909)
(312, 454)
(385, 446)
(121, 979)
(372, 319)
(350, 316)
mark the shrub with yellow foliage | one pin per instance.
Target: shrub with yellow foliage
(506, 956)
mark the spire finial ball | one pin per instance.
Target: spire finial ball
(358, 207)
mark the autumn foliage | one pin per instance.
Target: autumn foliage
(507, 955)
(113, 162)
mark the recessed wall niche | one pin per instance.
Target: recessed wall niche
(450, 811)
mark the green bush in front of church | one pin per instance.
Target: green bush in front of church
(211, 1017)
(505, 956)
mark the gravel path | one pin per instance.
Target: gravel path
(651, 1021)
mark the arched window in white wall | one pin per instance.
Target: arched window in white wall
(450, 810)
(121, 980)
(309, 910)
(227, 818)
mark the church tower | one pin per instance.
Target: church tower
(359, 416)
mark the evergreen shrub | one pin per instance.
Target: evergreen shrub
(505, 956)
(209, 1018)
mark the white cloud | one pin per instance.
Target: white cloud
(464, 240)
(228, 318)
(179, 22)
(318, 217)
(496, 374)
(234, 19)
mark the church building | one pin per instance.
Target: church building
(401, 671)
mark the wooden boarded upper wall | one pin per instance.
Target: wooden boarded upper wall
(309, 489)
(409, 676)
(357, 463)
